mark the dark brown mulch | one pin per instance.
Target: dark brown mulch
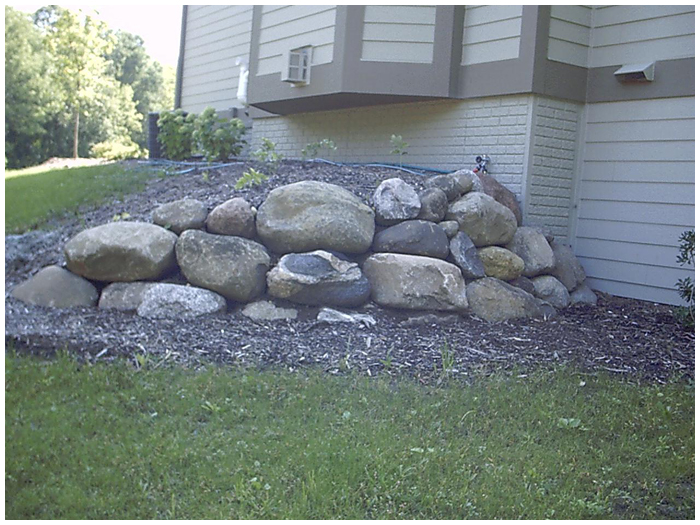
(622, 336)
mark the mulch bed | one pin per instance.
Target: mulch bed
(634, 338)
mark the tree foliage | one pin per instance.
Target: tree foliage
(72, 82)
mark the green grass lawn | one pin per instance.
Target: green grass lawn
(34, 195)
(111, 441)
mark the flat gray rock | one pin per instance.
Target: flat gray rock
(125, 297)
(268, 311)
(465, 254)
(414, 237)
(181, 215)
(174, 301)
(57, 288)
(496, 301)
(328, 315)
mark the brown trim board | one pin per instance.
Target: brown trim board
(181, 59)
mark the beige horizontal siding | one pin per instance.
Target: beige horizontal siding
(288, 27)
(491, 33)
(215, 36)
(636, 195)
(569, 34)
(398, 33)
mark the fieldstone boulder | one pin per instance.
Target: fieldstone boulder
(318, 278)
(124, 296)
(501, 263)
(268, 311)
(502, 194)
(310, 215)
(496, 301)
(482, 218)
(451, 228)
(233, 217)
(453, 185)
(465, 255)
(524, 284)
(395, 201)
(567, 269)
(175, 301)
(178, 216)
(414, 238)
(583, 295)
(122, 251)
(231, 266)
(549, 289)
(414, 282)
(433, 204)
(532, 247)
(55, 287)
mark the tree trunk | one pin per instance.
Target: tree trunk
(75, 134)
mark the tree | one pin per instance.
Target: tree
(28, 105)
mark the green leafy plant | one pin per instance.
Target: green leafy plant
(175, 130)
(268, 156)
(250, 178)
(311, 150)
(399, 147)
(118, 149)
(218, 138)
(686, 286)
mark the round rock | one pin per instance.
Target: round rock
(583, 295)
(310, 215)
(55, 287)
(178, 216)
(451, 228)
(496, 301)
(486, 221)
(549, 289)
(124, 296)
(567, 269)
(501, 263)
(174, 301)
(395, 201)
(122, 251)
(413, 238)
(233, 217)
(532, 247)
(433, 204)
(231, 266)
(498, 191)
(318, 278)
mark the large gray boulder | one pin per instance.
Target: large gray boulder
(178, 216)
(549, 289)
(454, 185)
(55, 287)
(318, 278)
(414, 282)
(125, 297)
(465, 254)
(496, 301)
(231, 266)
(498, 191)
(175, 301)
(310, 215)
(532, 247)
(395, 201)
(433, 205)
(233, 217)
(583, 295)
(567, 268)
(501, 263)
(413, 238)
(482, 218)
(122, 251)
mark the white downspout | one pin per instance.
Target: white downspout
(242, 94)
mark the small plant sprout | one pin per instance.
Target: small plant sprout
(250, 178)
(686, 286)
(311, 150)
(447, 358)
(399, 147)
(268, 156)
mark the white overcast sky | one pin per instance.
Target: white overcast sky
(158, 25)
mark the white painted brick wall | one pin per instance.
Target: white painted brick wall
(553, 163)
(442, 134)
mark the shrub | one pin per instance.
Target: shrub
(118, 149)
(311, 150)
(250, 178)
(218, 138)
(267, 155)
(175, 134)
(686, 286)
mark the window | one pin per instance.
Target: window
(298, 71)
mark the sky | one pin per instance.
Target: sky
(158, 25)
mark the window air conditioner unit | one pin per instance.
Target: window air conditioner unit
(298, 66)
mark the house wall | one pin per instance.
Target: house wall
(290, 26)
(215, 36)
(441, 134)
(491, 33)
(636, 195)
(398, 33)
(569, 34)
